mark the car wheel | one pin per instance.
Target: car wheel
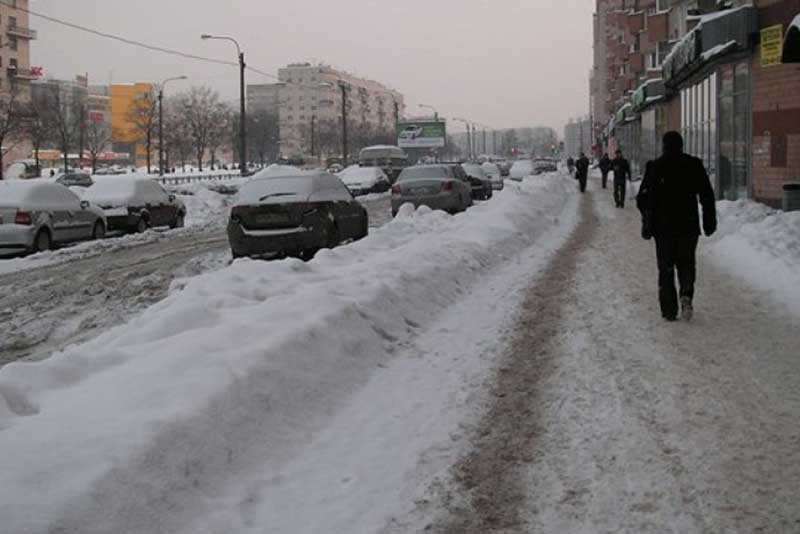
(99, 231)
(332, 237)
(42, 242)
(142, 225)
(179, 221)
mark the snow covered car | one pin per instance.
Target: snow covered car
(481, 185)
(495, 175)
(435, 186)
(365, 180)
(543, 165)
(521, 168)
(135, 203)
(294, 215)
(75, 179)
(37, 214)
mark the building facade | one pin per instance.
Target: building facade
(578, 138)
(716, 74)
(15, 61)
(127, 137)
(308, 101)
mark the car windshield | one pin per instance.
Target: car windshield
(414, 173)
(259, 190)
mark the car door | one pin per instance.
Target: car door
(56, 201)
(82, 218)
(347, 211)
(166, 206)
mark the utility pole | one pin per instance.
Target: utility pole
(313, 123)
(343, 87)
(396, 119)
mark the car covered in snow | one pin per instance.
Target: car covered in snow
(481, 185)
(37, 214)
(437, 186)
(135, 203)
(294, 215)
(75, 179)
(364, 180)
(494, 173)
(522, 168)
(544, 165)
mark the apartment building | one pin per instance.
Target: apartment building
(15, 60)
(714, 70)
(308, 100)
(126, 137)
(578, 137)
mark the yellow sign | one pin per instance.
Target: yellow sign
(771, 45)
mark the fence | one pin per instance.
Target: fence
(189, 178)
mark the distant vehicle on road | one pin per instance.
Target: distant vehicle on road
(522, 168)
(294, 216)
(435, 186)
(75, 179)
(481, 184)
(543, 165)
(37, 214)
(365, 180)
(134, 203)
(391, 159)
(495, 175)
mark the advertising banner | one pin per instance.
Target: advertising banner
(421, 134)
(771, 45)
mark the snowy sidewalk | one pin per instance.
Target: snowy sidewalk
(608, 419)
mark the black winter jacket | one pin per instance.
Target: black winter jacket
(668, 197)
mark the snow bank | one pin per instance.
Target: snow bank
(136, 429)
(762, 246)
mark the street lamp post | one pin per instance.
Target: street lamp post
(435, 113)
(469, 139)
(343, 87)
(161, 122)
(242, 112)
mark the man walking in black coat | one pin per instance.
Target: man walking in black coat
(582, 166)
(622, 173)
(605, 168)
(668, 198)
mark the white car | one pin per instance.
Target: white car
(522, 168)
(37, 214)
(411, 132)
(495, 175)
(365, 180)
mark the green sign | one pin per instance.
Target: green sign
(424, 133)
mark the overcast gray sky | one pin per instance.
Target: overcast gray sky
(499, 62)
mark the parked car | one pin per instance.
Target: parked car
(37, 214)
(75, 179)
(294, 215)
(134, 203)
(365, 180)
(481, 185)
(505, 167)
(495, 175)
(522, 168)
(543, 165)
(437, 186)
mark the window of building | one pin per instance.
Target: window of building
(12, 22)
(12, 43)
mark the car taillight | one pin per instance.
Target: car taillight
(23, 217)
(448, 186)
(396, 190)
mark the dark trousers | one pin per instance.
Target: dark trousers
(582, 177)
(675, 252)
(605, 178)
(619, 192)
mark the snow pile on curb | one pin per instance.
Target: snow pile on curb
(762, 246)
(130, 431)
(204, 206)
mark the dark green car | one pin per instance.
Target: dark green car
(294, 215)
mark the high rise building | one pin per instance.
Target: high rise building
(126, 135)
(308, 102)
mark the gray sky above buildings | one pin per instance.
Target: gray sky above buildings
(499, 62)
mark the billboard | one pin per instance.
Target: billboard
(425, 133)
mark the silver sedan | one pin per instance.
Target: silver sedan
(435, 186)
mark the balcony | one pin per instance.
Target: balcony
(636, 22)
(636, 62)
(658, 27)
(21, 33)
(24, 74)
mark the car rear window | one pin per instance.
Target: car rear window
(413, 173)
(287, 188)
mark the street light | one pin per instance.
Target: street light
(242, 113)
(435, 113)
(469, 138)
(161, 121)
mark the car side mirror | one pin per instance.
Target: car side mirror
(84, 204)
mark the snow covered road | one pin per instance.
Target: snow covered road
(50, 301)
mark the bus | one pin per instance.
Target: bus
(391, 159)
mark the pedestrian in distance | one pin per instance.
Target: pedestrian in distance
(570, 164)
(582, 170)
(605, 168)
(622, 174)
(668, 200)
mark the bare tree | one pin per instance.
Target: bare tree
(59, 116)
(13, 114)
(198, 106)
(177, 138)
(219, 131)
(143, 114)
(98, 138)
(262, 134)
(37, 130)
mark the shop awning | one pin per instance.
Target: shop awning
(648, 93)
(791, 42)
